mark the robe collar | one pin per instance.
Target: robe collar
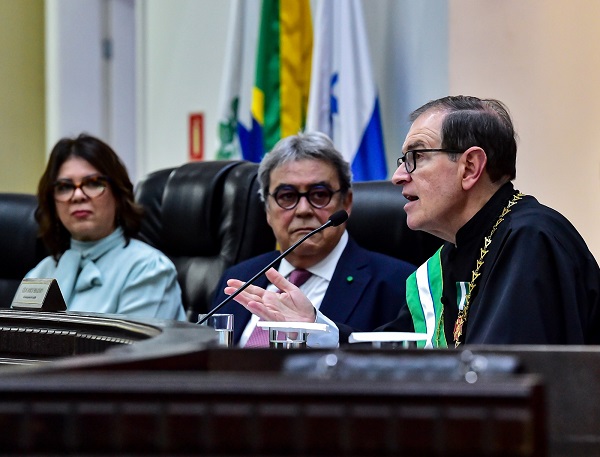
(482, 222)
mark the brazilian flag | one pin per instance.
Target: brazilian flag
(283, 66)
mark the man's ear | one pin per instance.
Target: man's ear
(474, 161)
(348, 202)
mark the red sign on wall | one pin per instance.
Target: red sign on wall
(196, 128)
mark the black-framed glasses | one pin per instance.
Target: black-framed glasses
(91, 186)
(319, 196)
(410, 157)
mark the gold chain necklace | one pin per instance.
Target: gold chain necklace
(462, 314)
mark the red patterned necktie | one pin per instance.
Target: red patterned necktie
(260, 337)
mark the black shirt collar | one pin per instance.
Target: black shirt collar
(481, 224)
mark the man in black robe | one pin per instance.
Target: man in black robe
(512, 271)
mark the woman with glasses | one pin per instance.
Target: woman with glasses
(88, 218)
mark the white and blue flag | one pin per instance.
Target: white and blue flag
(343, 101)
(237, 132)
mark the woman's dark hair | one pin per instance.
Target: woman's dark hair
(102, 157)
(478, 122)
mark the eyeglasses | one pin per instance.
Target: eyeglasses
(410, 157)
(318, 196)
(91, 186)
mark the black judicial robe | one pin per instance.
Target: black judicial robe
(539, 284)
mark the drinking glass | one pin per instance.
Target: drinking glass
(223, 324)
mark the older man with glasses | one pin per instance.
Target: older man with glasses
(303, 180)
(512, 271)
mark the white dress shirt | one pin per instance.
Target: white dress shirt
(314, 289)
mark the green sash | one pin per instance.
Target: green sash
(423, 295)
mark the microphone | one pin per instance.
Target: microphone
(337, 218)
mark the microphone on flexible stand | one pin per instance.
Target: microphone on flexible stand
(337, 218)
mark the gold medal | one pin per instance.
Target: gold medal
(458, 325)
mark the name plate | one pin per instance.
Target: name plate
(39, 294)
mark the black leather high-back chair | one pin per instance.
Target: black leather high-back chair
(149, 193)
(19, 244)
(378, 223)
(205, 219)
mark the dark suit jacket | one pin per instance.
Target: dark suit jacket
(366, 291)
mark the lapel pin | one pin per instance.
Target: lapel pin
(349, 279)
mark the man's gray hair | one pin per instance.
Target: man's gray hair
(308, 145)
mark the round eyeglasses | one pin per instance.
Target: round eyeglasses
(91, 186)
(318, 196)
(410, 157)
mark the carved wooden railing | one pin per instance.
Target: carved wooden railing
(75, 384)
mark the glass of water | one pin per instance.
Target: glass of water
(223, 324)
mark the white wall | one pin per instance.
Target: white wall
(87, 89)
(541, 58)
(142, 109)
(409, 52)
(538, 56)
(182, 61)
(74, 86)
